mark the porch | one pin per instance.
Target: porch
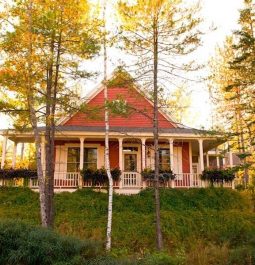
(186, 156)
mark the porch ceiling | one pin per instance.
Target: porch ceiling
(97, 133)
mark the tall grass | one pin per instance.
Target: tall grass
(218, 221)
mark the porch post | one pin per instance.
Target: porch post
(201, 156)
(171, 149)
(14, 155)
(120, 160)
(230, 158)
(143, 140)
(207, 160)
(217, 158)
(4, 151)
(120, 154)
(81, 160)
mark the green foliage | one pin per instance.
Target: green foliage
(99, 176)
(18, 173)
(161, 258)
(218, 175)
(197, 224)
(28, 245)
(164, 175)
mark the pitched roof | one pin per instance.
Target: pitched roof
(132, 95)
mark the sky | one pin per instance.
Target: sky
(222, 14)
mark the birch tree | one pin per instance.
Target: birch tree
(106, 116)
(158, 33)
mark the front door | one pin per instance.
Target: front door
(130, 162)
(130, 175)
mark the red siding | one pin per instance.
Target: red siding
(136, 119)
(114, 154)
(185, 158)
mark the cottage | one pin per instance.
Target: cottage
(79, 144)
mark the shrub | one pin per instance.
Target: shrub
(27, 245)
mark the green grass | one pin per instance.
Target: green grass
(215, 219)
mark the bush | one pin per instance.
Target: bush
(27, 245)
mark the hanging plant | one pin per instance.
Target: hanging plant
(99, 176)
(164, 175)
(18, 173)
(218, 175)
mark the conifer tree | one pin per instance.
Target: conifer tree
(156, 33)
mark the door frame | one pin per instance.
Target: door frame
(138, 153)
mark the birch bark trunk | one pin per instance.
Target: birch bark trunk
(107, 159)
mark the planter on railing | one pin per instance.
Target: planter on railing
(164, 175)
(17, 177)
(218, 175)
(17, 173)
(99, 176)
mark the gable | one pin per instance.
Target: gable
(140, 117)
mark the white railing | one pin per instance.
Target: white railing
(90, 184)
(188, 180)
(128, 180)
(61, 180)
(131, 180)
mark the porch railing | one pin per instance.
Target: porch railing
(131, 180)
(61, 180)
(128, 180)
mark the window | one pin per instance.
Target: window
(73, 159)
(164, 159)
(90, 158)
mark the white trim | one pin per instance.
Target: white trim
(100, 152)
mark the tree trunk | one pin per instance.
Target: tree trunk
(33, 120)
(107, 159)
(155, 134)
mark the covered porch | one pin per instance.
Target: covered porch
(186, 155)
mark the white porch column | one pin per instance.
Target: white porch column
(4, 151)
(43, 158)
(201, 155)
(14, 155)
(81, 160)
(207, 160)
(121, 154)
(217, 158)
(171, 149)
(81, 152)
(143, 140)
(230, 158)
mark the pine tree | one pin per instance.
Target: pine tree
(156, 33)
